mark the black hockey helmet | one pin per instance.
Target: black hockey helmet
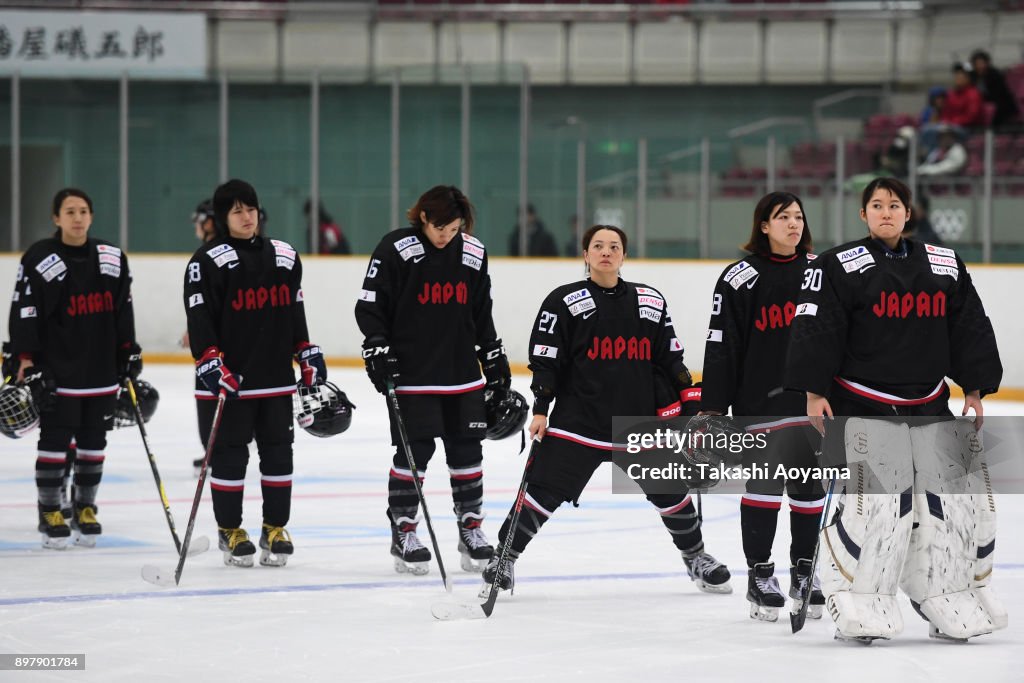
(148, 398)
(323, 409)
(203, 212)
(18, 414)
(506, 413)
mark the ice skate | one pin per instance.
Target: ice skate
(798, 577)
(474, 549)
(410, 555)
(238, 549)
(934, 632)
(506, 581)
(763, 592)
(276, 546)
(65, 498)
(710, 575)
(85, 525)
(54, 529)
(857, 640)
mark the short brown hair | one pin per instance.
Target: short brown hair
(442, 204)
(592, 230)
(768, 208)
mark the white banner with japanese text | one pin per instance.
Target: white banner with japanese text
(103, 44)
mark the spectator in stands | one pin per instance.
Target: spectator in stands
(993, 88)
(936, 101)
(948, 158)
(539, 242)
(919, 227)
(895, 161)
(332, 240)
(963, 101)
(572, 244)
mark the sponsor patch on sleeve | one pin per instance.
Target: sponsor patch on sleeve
(943, 260)
(582, 306)
(300, 296)
(807, 309)
(674, 344)
(285, 262)
(573, 297)
(851, 254)
(229, 256)
(649, 314)
(28, 311)
(110, 258)
(109, 249)
(859, 262)
(946, 270)
(112, 271)
(406, 242)
(16, 295)
(714, 335)
(472, 261)
(472, 249)
(367, 295)
(415, 249)
(940, 251)
(740, 274)
(195, 300)
(218, 250)
(652, 301)
(542, 351)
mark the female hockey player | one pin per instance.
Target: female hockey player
(73, 331)
(244, 304)
(425, 313)
(594, 349)
(880, 323)
(753, 305)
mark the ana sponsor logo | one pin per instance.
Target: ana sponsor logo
(573, 297)
(851, 254)
(219, 249)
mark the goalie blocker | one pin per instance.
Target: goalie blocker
(917, 512)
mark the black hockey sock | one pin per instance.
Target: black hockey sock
(402, 498)
(49, 477)
(467, 488)
(758, 529)
(538, 506)
(277, 497)
(88, 473)
(804, 517)
(680, 518)
(227, 486)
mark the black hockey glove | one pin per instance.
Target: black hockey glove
(129, 362)
(495, 365)
(381, 366)
(9, 367)
(311, 362)
(43, 387)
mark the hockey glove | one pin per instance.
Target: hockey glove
(42, 386)
(212, 372)
(495, 365)
(9, 367)
(129, 362)
(311, 362)
(381, 366)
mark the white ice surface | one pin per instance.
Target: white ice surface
(601, 593)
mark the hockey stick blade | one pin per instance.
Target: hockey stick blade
(199, 546)
(157, 576)
(458, 611)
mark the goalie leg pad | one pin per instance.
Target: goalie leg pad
(864, 548)
(949, 564)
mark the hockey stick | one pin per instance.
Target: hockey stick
(449, 611)
(202, 543)
(154, 574)
(397, 412)
(796, 620)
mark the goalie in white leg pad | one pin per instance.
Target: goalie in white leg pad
(863, 550)
(952, 546)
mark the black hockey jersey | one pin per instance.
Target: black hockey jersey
(752, 309)
(433, 306)
(245, 297)
(889, 326)
(71, 311)
(595, 349)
